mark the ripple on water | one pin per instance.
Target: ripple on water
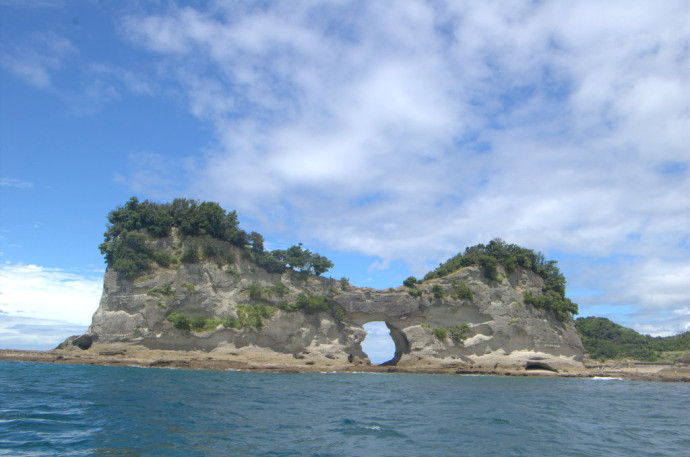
(48, 410)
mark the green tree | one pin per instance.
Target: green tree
(604, 339)
(129, 253)
(498, 252)
(128, 246)
(302, 260)
(257, 243)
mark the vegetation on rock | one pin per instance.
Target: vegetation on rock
(457, 333)
(604, 339)
(410, 282)
(312, 304)
(166, 290)
(462, 291)
(511, 256)
(252, 316)
(128, 249)
(180, 321)
(416, 292)
(437, 291)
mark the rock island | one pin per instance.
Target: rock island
(185, 286)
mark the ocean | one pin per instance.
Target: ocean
(82, 410)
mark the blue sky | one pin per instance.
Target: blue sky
(387, 136)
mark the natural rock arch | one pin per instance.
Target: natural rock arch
(402, 345)
(503, 330)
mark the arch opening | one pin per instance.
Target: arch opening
(378, 344)
(379, 347)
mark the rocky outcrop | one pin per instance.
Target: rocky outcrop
(495, 329)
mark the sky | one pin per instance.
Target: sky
(386, 135)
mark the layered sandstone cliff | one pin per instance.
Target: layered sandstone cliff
(434, 328)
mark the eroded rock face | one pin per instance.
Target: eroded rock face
(502, 331)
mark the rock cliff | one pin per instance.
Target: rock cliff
(240, 309)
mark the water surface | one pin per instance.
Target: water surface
(74, 410)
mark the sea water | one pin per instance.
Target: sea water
(73, 410)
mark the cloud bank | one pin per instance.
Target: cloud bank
(411, 130)
(406, 131)
(40, 307)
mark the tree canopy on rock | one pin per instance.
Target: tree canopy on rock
(127, 249)
(511, 256)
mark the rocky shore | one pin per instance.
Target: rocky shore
(129, 355)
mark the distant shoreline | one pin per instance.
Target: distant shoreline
(142, 357)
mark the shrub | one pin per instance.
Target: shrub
(338, 312)
(162, 258)
(456, 333)
(437, 291)
(211, 324)
(416, 292)
(232, 322)
(344, 282)
(440, 333)
(312, 304)
(188, 286)
(211, 251)
(459, 333)
(278, 288)
(166, 290)
(463, 292)
(562, 307)
(255, 291)
(410, 281)
(198, 323)
(180, 321)
(190, 254)
(253, 315)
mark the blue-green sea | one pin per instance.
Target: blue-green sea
(73, 410)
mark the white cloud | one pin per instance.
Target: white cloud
(35, 334)
(135, 82)
(411, 131)
(18, 183)
(34, 62)
(47, 293)
(649, 294)
(154, 174)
